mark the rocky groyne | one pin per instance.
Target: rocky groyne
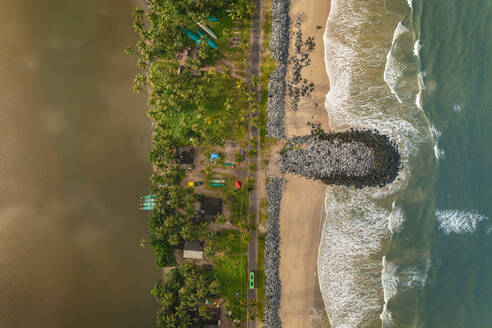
(272, 254)
(354, 158)
(279, 48)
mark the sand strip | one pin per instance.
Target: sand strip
(302, 201)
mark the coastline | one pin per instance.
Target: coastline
(302, 206)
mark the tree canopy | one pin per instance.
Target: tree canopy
(182, 296)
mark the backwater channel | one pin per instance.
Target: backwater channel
(73, 161)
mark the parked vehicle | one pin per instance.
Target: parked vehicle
(251, 280)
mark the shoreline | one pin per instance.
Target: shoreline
(302, 206)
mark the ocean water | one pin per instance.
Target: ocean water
(412, 254)
(456, 55)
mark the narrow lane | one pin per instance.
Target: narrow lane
(255, 59)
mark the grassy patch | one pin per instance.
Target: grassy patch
(231, 272)
(231, 239)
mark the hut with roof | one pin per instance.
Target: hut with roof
(193, 250)
(185, 157)
(211, 207)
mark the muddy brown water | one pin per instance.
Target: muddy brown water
(73, 145)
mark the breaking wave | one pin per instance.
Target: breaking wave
(394, 69)
(373, 86)
(416, 48)
(349, 276)
(457, 108)
(390, 288)
(458, 221)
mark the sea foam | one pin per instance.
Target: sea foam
(416, 48)
(457, 108)
(458, 221)
(349, 276)
(357, 227)
(390, 288)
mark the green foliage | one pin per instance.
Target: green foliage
(220, 219)
(238, 156)
(170, 223)
(182, 294)
(210, 251)
(250, 183)
(129, 51)
(239, 206)
(231, 239)
(161, 28)
(208, 170)
(202, 107)
(196, 106)
(231, 271)
(252, 167)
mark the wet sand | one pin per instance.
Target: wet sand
(301, 212)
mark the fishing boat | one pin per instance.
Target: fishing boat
(210, 42)
(208, 30)
(193, 36)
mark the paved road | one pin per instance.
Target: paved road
(254, 206)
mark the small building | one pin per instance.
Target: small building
(211, 207)
(214, 320)
(193, 250)
(185, 157)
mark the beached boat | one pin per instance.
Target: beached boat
(208, 30)
(210, 42)
(193, 36)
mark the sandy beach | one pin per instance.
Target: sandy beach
(302, 202)
(311, 110)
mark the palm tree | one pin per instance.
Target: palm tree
(252, 167)
(129, 51)
(188, 232)
(137, 89)
(142, 63)
(202, 230)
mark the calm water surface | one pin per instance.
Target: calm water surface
(73, 144)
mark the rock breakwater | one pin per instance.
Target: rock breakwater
(279, 47)
(272, 254)
(355, 158)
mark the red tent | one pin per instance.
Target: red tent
(238, 184)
